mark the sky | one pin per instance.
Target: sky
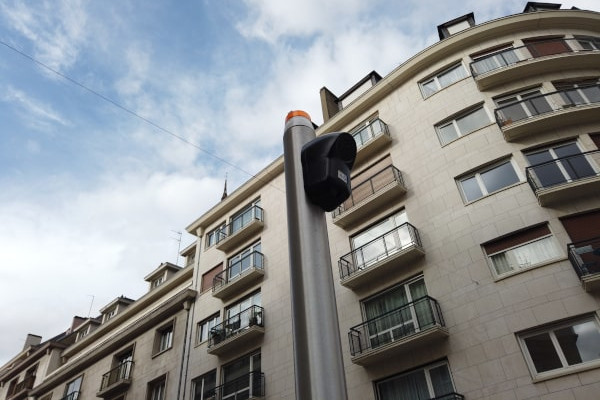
(121, 119)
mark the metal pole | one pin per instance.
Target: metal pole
(317, 346)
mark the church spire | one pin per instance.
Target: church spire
(224, 188)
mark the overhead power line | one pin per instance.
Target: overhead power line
(133, 113)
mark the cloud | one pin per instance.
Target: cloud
(55, 29)
(42, 113)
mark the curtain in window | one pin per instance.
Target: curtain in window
(452, 76)
(412, 386)
(525, 256)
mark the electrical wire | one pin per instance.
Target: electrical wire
(135, 114)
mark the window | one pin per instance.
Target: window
(432, 381)
(449, 131)
(564, 347)
(242, 378)
(204, 386)
(489, 180)
(205, 326)
(387, 236)
(208, 277)
(156, 389)
(239, 314)
(522, 250)
(397, 313)
(588, 42)
(492, 59)
(164, 338)
(445, 78)
(540, 47)
(248, 214)
(247, 258)
(158, 281)
(83, 333)
(214, 236)
(110, 313)
(368, 130)
(580, 92)
(72, 389)
(559, 164)
(523, 105)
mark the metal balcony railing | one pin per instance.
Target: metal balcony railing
(251, 214)
(247, 386)
(71, 396)
(369, 187)
(252, 316)
(563, 170)
(251, 260)
(585, 256)
(547, 103)
(378, 249)
(375, 128)
(25, 384)
(514, 55)
(394, 325)
(120, 373)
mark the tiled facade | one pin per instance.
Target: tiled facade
(466, 263)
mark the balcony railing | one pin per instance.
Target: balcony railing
(564, 170)
(401, 323)
(240, 228)
(120, 373)
(547, 103)
(511, 56)
(386, 245)
(450, 396)
(374, 184)
(585, 257)
(71, 396)
(21, 388)
(376, 128)
(252, 260)
(232, 326)
(250, 386)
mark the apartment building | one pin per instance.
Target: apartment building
(466, 261)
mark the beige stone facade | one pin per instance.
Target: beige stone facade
(466, 262)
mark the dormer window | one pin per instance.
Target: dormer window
(83, 333)
(459, 24)
(110, 313)
(158, 281)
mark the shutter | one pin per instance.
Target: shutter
(546, 47)
(515, 239)
(582, 226)
(207, 278)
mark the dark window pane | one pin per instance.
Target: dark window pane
(471, 189)
(499, 177)
(579, 343)
(440, 380)
(542, 352)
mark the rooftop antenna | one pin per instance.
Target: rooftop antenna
(91, 304)
(178, 233)
(224, 188)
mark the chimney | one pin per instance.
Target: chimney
(32, 340)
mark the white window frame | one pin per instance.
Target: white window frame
(211, 236)
(249, 251)
(157, 389)
(205, 326)
(479, 180)
(436, 79)
(164, 338)
(456, 127)
(201, 380)
(496, 56)
(518, 268)
(566, 368)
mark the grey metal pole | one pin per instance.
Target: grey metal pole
(317, 346)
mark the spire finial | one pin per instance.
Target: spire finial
(224, 188)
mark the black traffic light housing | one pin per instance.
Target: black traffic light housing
(326, 164)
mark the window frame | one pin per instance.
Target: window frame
(164, 336)
(211, 236)
(550, 235)
(436, 78)
(482, 170)
(206, 325)
(249, 251)
(463, 114)
(203, 378)
(160, 382)
(550, 328)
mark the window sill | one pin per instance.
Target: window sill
(498, 278)
(565, 371)
(493, 193)
(161, 352)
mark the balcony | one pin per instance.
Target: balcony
(399, 331)
(71, 396)
(21, 389)
(116, 381)
(378, 191)
(549, 112)
(246, 387)
(450, 396)
(237, 332)
(517, 63)
(239, 276)
(370, 140)
(241, 228)
(585, 258)
(565, 178)
(380, 257)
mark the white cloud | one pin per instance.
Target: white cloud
(42, 113)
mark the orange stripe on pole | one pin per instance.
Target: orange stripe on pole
(297, 113)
